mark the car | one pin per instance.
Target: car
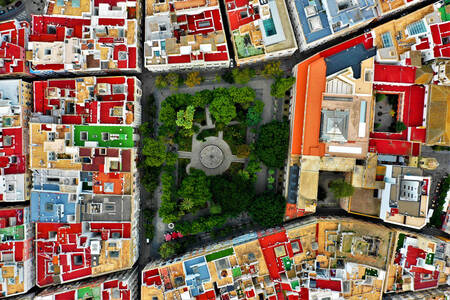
(2, 12)
(148, 241)
(10, 8)
(18, 3)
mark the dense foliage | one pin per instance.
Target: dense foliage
(341, 189)
(281, 86)
(272, 144)
(436, 219)
(268, 209)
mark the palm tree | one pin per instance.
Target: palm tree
(187, 204)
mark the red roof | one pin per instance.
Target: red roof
(392, 73)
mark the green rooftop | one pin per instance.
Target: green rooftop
(104, 136)
(429, 260)
(17, 232)
(371, 272)
(294, 284)
(219, 254)
(287, 262)
(93, 293)
(236, 272)
(244, 46)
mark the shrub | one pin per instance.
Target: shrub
(341, 188)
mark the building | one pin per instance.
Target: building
(86, 37)
(184, 35)
(364, 108)
(260, 30)
(417, 263)
(16, 250)
(316, 258)
(14, 38)
(396, 194)
(70, 252)
(15, 105)
(316, 22)
(85, 194)
(121, 286)
(89, 100)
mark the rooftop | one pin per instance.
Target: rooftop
(12, 47)
(259, 29)
(68, 252)
(192, 37)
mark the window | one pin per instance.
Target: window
(386, 39)
(52, 156)
(162, 28)
(51, 136)
(83, 135)
(49, 206)
(47, 51)
(11, 188)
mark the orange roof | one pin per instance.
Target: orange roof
(311, 82)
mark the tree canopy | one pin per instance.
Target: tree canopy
(254, 113)
(341, 189)
(154, 152)
(223, 109)
(232, 194)
(169, 249)
(244, 96)
(202, 98)
(272, 70)
(242, 76)
(193, 79)
(281, 86)
(268, 209)
(272, 143)
(185, 118)
(161, 82)
(194, 191)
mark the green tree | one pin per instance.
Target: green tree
(272, 143)
(400, 126)
(242, 76)
(279, 88)
(228, 77)
(244, 96)
(202, 98)
(167, 115)
(169, 249)
(254, 113)
(161, 82)
(272, 70)
(215, 209)
(173, 80)
(168, 209)
(222, 110)
(341, 189)
(268, 209)
(154, 152)
(185, 118)
(193, 79)
(195, 188)
(232, 194)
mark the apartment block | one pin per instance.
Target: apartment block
(120, 286)
(316, 22)
(377, 99)
(334, 258)
(417, 263)
(14, 39)
(86, 37)
(16, 251)
(15, 106)
(184, 35)
(85, 193)
(260, 30)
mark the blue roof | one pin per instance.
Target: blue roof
(351, 16)
(196, 273)
(351, 57)
(321, 13)
(51, 207)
